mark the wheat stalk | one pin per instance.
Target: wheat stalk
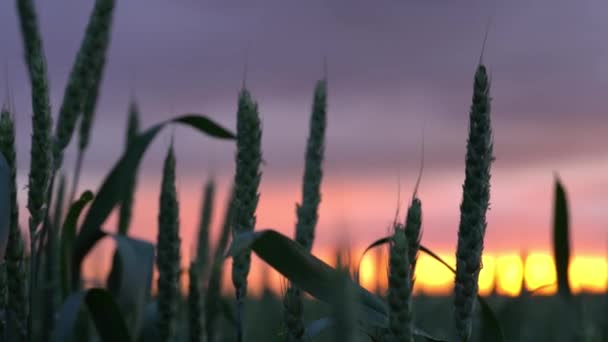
(40, 153)
(41, 120)
(195, 306)
(51, 286)
(342, 307)
(92, 93)
(168, 252)
(307, 212)
(413, 233)
(128, 194)
(202, 252)
(313, 171)
(475, 202)
(247, 180)
(126, 206)
(399, 289)
(213, 295)
(15, 263)
(85, 73)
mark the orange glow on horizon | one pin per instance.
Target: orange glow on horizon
(348, 214)
(540, 274)
(510, 273)
(588, 274)
(503, 273)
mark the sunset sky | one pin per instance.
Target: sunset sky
(393, 67)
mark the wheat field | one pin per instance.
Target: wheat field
(44, 295)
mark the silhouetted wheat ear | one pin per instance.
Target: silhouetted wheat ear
(128, 194)
(246, 183)
(202, 250)
(168, 252)
(15, 263)
(126, 206)
(101, 38)
(413, 232)
(399, 288)
(313, 172)
(41, 163)
(307, 212)
(85, 72)
(475, 201)
(40, 152)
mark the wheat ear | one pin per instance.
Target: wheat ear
(168, 252)
(475, 202)
(247, 180)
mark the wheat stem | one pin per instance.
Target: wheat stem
(213, 296)
(51, 286)
(343, 308)
(196, 317)
(15, 254)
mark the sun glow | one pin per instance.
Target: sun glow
(486, 281)
(433, 277)
(539, 273)
(503, 273)
(588, 274)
